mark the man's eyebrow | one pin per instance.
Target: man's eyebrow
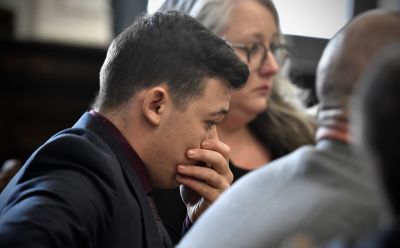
(222, 111)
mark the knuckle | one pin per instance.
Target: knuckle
(214, 177)
(225, 188)
(230, 178)
(227, 149)
(204, 191)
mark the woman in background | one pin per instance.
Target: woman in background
(262, 124)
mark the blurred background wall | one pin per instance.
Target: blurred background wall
(51, 52)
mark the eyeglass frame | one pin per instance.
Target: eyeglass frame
(247, 49)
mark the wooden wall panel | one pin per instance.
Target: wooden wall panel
(44, 89)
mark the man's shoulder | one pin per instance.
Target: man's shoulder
(78, 140)
(277, 175)
(328, 158)
(308, 166)
(291, 165)
(76, 152)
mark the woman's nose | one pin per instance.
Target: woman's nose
(270, 66)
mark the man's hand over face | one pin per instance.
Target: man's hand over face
(202, 185)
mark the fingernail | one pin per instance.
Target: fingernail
(191, 153)
(205, 143)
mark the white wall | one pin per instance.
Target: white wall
(315, 18)
(83, 22)
(153, 5)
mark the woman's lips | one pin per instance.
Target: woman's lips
(263, 89)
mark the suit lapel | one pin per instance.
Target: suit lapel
(92, 123)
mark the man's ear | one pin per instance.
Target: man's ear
(154, 104)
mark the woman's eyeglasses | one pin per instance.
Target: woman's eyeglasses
(257, 53)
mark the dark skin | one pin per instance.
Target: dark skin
(342, 63)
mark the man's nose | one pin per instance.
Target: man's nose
(213, 133)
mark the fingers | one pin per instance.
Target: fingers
(218, 146)
(212, 179)
(214, 154)
(204, 181)
(207, 175)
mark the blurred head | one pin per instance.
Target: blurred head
(7, 171)
(171, 77)
(345, 58)
(252, 29)
(376, 118)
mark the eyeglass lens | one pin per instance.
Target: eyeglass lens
(257, 54)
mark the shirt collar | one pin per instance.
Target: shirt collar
(133, 157)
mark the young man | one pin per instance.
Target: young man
(164, 86)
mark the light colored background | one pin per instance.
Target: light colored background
(315, 18)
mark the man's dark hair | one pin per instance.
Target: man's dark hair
(166, 47)
(377, 118)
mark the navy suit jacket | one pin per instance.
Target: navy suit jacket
(77, 190)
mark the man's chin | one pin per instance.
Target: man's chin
(174, 184)
(169, 185)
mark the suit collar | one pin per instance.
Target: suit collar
(98, 126)
(134, 160)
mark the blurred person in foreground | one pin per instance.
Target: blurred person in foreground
(153, 125)
(323, 191)
(375, 124)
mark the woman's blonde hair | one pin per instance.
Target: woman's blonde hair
(284, 123)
